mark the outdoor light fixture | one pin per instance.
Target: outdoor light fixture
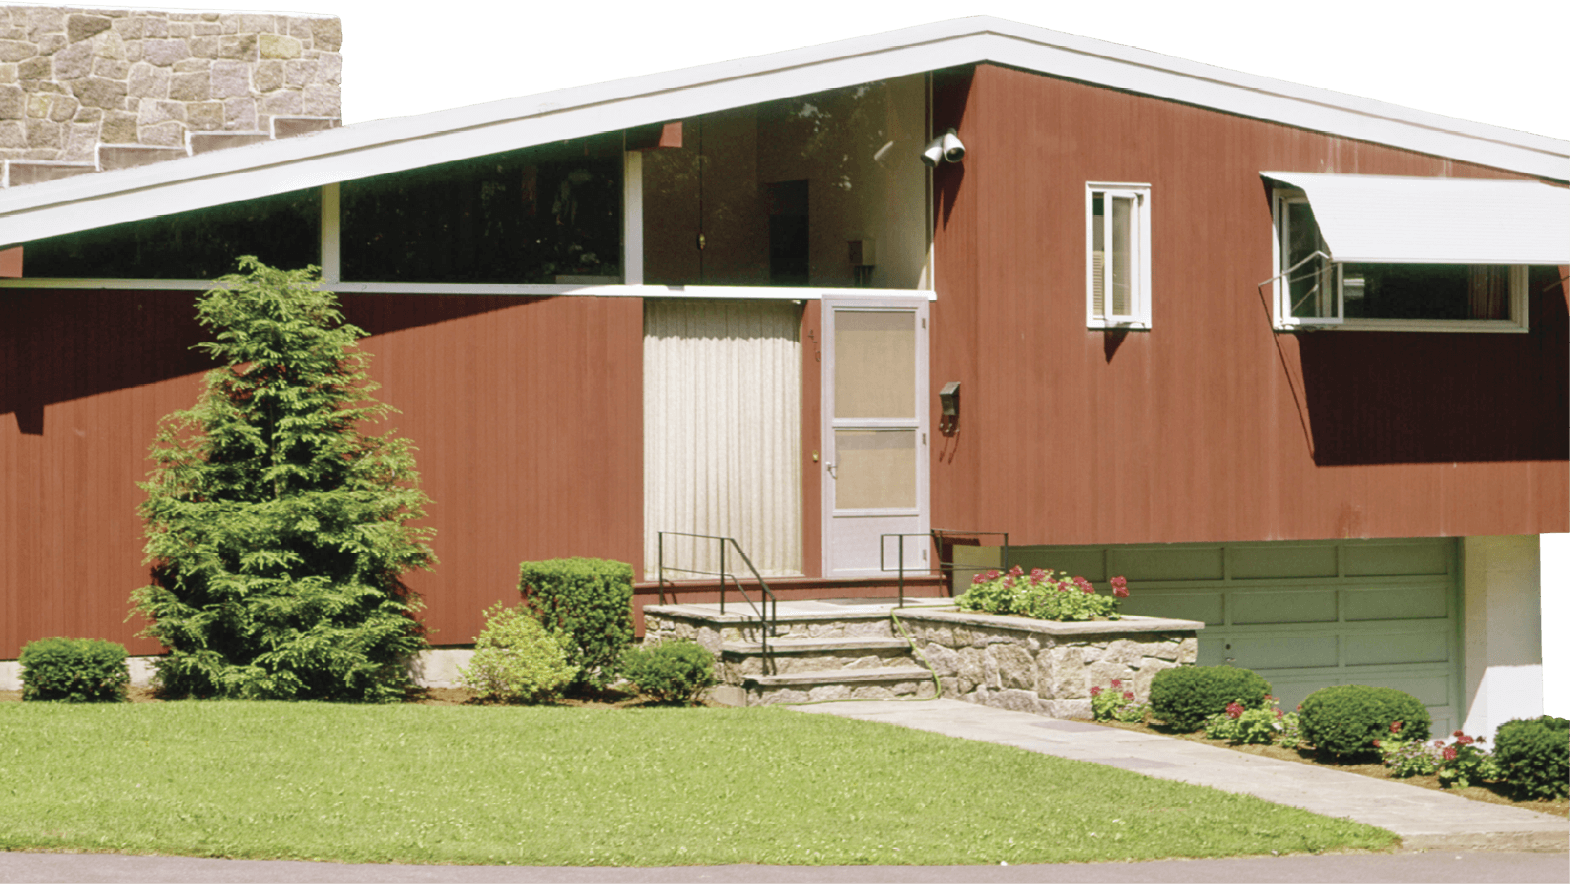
(945, 147)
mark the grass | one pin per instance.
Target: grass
(563, 786)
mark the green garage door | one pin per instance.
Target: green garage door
(1304, 615)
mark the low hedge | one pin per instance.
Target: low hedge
(77, 670)
(1345, 720)
(1533, 755)
(674, 671)
(1184, 697)
(588, 604)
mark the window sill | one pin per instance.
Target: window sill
(1487, 326)
(1099, 325)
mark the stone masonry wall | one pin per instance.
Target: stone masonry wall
(1044, 667)
(72, 79)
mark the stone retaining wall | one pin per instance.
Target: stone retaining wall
(1046, 667)
(74, 78)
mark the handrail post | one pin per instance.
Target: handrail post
(722, 577)
(902, 570)
(660, 545)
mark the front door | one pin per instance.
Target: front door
(874, 434)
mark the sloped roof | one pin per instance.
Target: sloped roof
(51, 208)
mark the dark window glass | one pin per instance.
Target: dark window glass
(548, 214)
(282, 230)
(1426, 291)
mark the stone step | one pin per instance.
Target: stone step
(839, 684)
(808, 645)
(739, 660)
(841, 676)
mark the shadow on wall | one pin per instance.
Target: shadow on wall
(1381, 398)
(56, 346)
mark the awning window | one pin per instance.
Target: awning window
(1384, 219)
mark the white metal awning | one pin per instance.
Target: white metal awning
(1389, 219)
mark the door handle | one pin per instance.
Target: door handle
(830, 467)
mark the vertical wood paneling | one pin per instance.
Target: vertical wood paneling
(1211, 426)
(526, 414)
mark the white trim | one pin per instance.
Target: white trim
(87, 201)
(1139, 319)
(724, 292)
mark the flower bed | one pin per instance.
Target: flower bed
(1046, 667)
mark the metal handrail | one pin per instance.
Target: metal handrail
(768, 615)
(936, 535)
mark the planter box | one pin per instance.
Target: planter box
(1046, 667)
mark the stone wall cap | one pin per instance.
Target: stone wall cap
(1054, 627)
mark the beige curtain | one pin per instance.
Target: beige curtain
(722, 431)
(1489, 292)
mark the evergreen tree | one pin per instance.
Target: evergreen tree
(277, 530)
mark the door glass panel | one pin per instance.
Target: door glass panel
(876, 469)
(875, 364)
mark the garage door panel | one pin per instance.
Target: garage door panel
(1400, 603)
(1302, 606)
(1166, 564)
(1087, 563)
(1302, 651)
(1299, 561)
(1205, 607)
(1375, 649)
(1395, 558)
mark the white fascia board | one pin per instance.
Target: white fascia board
(1399, 219)
(51, 208)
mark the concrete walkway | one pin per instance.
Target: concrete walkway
(1424, 818)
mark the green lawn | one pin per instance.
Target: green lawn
(565, 786)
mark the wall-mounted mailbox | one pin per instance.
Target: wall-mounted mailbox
(949, 398)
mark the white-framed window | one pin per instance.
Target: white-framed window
(1312, 290)
(1117, 255)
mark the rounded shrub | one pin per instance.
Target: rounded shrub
(77, 670)
(1184, 697)
(670, 671)
(1346, 719)
(1533, 755)
(516, 660)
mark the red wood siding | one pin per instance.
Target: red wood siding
(527, 414)
(1210, 427)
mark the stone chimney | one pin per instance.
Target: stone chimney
(87, 90)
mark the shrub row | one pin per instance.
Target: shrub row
(574, 627)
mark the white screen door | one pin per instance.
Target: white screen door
(874, 433)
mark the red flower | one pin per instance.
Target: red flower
(1008, 581)
(1016, 571)
(1450, 753)
(1458, 734)
(1464, 740)
(1084, 585)
(1395, 727)
(978, 579)
(1037, 573)
(1279, 713)
(1120, 587)
(1376, 744)
(1234, 709)
(994, 574)
(1439, 743)
(1128, 695)
(1095, 691)
(1117, 682)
